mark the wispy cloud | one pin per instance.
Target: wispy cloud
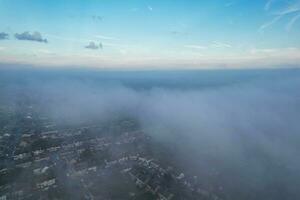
(213, 45)
(220, 45)
(103, 37)
(150, 8)
(290, 54)
(289, 8)
(292, 22)
(67, 39)
(264, 51)
(269, 24)
(268, 4)
(45, 51)
(200, 47)
(35, 36)
(292, 8)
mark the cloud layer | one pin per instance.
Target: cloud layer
(238, 130)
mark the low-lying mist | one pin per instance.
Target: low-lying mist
(241, 126)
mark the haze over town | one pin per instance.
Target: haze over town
(166, 100)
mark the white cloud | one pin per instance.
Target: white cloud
(263, 51)
(216, 44)
(292, 22)
(282, 51)
(273, 56)
(150, 8)
(269, 24)
(103, 37)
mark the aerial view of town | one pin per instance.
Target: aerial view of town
(65, 135)
(149, 100)
(40, 159)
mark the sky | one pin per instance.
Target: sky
(148, 34)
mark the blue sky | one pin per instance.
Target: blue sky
(151, 34)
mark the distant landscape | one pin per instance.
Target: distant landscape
(150, 134)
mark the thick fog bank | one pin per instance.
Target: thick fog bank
(238, 129)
